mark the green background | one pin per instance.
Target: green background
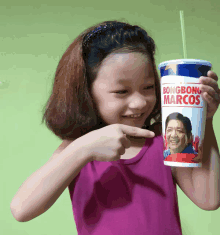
(33, 38)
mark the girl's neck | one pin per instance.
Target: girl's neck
(136, 141)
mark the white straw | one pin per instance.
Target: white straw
(183, 34)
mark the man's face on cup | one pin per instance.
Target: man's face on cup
(176, 136)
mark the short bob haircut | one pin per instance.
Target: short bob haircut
(185, 120)
(70, 111)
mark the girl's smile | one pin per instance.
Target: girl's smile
(135, 116)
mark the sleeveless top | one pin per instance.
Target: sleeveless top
(128, 196)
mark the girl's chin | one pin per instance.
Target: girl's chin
(134, 124)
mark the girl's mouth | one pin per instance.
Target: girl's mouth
(134, 117)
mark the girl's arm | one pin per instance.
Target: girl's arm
(202, 184)
(206, 179)
(40, 191)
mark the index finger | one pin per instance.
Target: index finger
(136, 131)
(212, 75)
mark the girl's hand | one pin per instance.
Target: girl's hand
(110, 142)
(210, 92)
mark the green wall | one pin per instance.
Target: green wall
(32, 41)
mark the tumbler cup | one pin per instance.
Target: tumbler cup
(183, 111)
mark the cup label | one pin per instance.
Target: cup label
(183, 120)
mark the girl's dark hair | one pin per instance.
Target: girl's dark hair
(70, 111)
(185, 120)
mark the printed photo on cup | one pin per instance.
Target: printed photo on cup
(178, 134)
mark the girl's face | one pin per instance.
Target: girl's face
(125, 85)
(176, 136)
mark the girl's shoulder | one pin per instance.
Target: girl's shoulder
(61, 147)
(64, 144)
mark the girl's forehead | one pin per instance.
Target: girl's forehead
(125, 58)
(126, 64)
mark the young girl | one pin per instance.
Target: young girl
(104, 105)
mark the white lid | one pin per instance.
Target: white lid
(185, 61)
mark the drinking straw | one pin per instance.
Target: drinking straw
(183, 34)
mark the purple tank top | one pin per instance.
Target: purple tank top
(128, 196)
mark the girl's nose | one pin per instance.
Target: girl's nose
(137, 102)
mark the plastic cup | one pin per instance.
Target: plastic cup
(183, 111)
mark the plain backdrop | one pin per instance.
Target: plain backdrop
(34, 35)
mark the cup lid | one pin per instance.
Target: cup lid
(185, 61)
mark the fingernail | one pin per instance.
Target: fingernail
(152, 134)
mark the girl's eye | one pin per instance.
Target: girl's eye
(123, 91)
(120, 92)
(149, 87)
